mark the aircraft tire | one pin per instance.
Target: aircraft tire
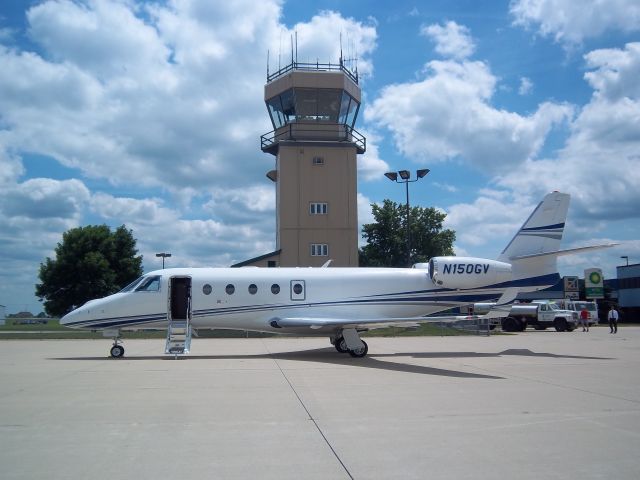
(117, 351)
(360, 352)
(341, 345)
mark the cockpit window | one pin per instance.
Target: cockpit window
(150, 284)
(130, 287)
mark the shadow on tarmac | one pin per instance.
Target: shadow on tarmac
(330, 356)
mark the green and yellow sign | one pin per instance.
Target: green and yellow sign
(593, 283)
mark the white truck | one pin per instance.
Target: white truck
(578, 305)
(539, 314)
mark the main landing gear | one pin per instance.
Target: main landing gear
(348, 341)
(117, 350)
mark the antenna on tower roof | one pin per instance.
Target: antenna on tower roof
(296, 46)
(291, 38)
(267, 63)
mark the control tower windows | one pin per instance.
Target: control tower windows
(325, 105)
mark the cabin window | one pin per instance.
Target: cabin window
(275, 289)
(230, 289)
(150, 284)
(207, 289)
(253, 289)
(297, 289)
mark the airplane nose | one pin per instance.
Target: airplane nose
(68, 318)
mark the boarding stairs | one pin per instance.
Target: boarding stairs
(178, 337)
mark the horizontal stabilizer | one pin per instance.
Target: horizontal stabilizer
(569, 251)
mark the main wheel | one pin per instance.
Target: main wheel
(341, 345)
(360, 352)
(117, 351)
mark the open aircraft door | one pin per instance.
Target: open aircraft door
(179, 298)
(179, 316)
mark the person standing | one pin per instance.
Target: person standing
(613, 320)
(584, 319)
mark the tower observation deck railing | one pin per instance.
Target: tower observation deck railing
(314, 67)
(330, 132)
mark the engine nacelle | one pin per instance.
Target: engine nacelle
(467, 272)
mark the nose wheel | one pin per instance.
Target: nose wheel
(117, 350)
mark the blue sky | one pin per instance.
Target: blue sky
(149, 114)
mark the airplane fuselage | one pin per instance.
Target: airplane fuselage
(249, 298)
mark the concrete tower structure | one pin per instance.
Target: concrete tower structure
(313, 110)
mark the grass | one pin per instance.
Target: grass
(53, 330)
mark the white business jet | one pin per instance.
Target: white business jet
(335, 302)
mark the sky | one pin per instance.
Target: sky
(149, 114)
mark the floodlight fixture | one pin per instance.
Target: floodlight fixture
(163, 255)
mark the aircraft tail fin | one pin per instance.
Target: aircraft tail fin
(533, 250)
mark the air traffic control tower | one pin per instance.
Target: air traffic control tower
(313, 109)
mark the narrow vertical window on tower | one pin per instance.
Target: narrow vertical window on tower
(318, 208)
(319, 250)
(318, 160)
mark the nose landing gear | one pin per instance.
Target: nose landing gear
(117, 350)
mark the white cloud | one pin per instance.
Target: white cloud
(452, 40)
(599, 163)
(526, 86)
(446, 187)
(45, 198)
(33, 215)
(570, 22)
(153, 97)
(448, 115)
(486, 221)
(370, 165)
(169, 95)
(319, 40)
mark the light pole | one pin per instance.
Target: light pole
(163, 255)
(626, 257)
(405, 175)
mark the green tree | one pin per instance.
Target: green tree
(90, 262)
(387, 237)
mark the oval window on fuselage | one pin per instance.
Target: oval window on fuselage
(253, 289)
(207, 289)
(275, 289)
(230, 289)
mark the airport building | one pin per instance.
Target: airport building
(629, 290)
(313, 110)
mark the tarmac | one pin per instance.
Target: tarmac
(533, 405)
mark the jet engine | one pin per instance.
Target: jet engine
(467, 272)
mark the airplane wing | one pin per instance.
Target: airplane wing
(368, 323)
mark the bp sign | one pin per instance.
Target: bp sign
(593, 283)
